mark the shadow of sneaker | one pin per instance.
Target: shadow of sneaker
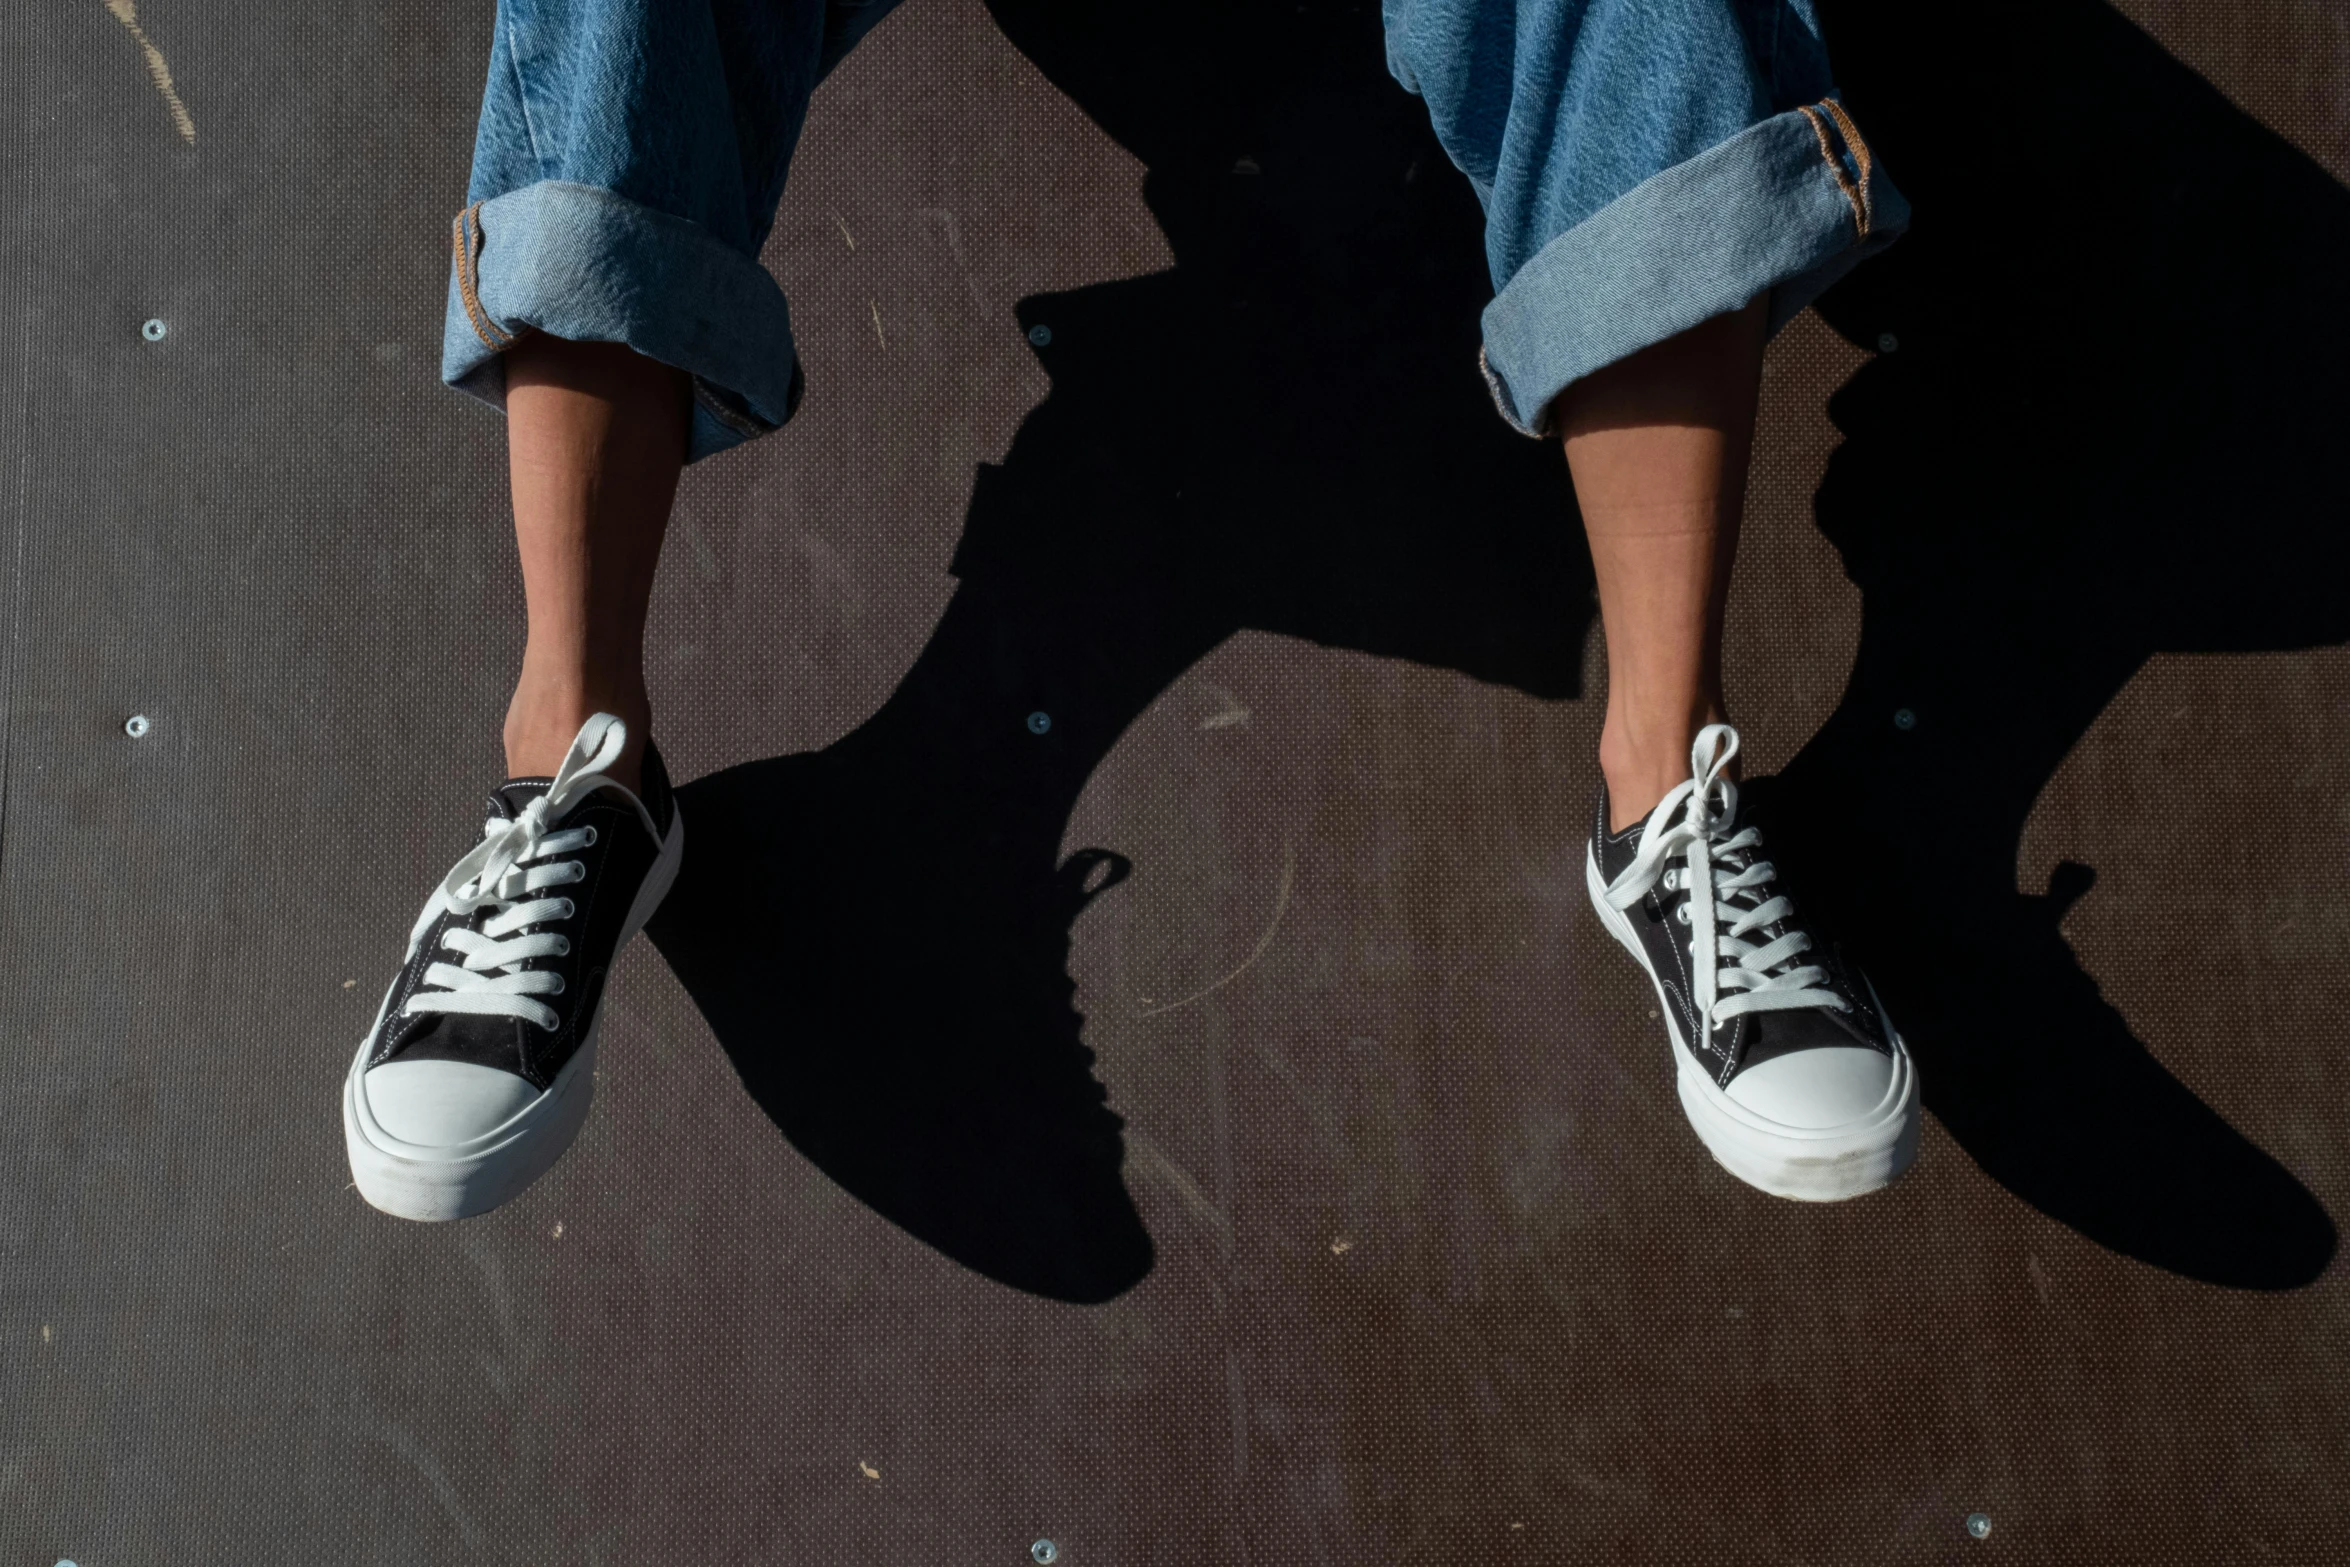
(2052, 471)
(895, 997)
(2020, 1057)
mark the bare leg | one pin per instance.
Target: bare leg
(595, 437)
(1657, 444)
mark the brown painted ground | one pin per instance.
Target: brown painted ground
(1437, 1273)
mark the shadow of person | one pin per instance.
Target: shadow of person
(2111, 426)
(1285, 430)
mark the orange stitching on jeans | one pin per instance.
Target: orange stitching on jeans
(1860, 156)
(1819, 128)
(468, 228)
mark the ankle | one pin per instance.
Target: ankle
(543, 720)
(1644, 762)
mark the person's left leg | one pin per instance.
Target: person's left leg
(1657, 445)
(1804, 1089)
(1682, 180)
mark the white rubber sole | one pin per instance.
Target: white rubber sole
(1808, 1164)
(411, 1181)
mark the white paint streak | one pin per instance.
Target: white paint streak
(1264, 942)
(1236, 1392)
(436, 1477)
(954, 237)
(127, 13)
(1178, 1180)
(1232, 710)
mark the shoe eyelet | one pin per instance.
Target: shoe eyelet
(558, 990)
(562, 946)
(1681, 912)
(569, 908)
(590, 840)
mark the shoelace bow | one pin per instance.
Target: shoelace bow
(506, 872)
(1725, 880)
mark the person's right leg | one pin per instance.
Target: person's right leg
(606, 292)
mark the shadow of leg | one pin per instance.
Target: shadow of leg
(2100, 425)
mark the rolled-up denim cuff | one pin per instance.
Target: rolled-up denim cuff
(1787, 206)
(583, 263)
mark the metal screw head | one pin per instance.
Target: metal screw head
(136, 726)
(1040, 723)
(1041, 336)
(1978, 1524)
(1904, 719)
(1044, 1551)
(1887, 343)
(154, 329)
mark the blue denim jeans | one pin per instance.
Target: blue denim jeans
(1644, 165)
(1652, 164)
(625, 173)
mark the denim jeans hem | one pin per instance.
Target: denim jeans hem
(1787, 206)
(589, 265)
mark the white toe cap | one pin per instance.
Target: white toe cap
(1815, 1089)
(439, 1104)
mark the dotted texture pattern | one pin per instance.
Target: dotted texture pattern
(1435, 1271)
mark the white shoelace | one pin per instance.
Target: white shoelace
(1730, 894)
(506, 872)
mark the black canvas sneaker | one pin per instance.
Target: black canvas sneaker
(480, 1066)
(1788, 1067)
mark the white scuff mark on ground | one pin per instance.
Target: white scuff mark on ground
(45, 1334)
(874, 305)
(443, 1490)
(127, 13)
(1237, 1392)
(867, 1470)
(1230, 712)
(954, 237)
(844, 231)
(1264, 942)
(830, 571)
(1341, 1246)
(558, 1233)
(1178, 1180)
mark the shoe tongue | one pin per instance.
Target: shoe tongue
(511, 798)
